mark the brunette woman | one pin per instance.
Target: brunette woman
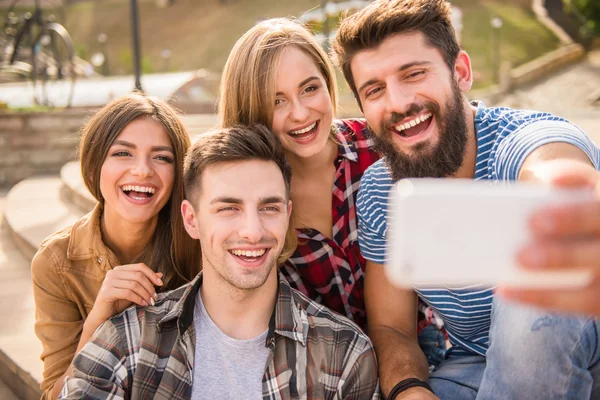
(130, 246)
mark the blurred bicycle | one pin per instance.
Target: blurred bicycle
(39, 49)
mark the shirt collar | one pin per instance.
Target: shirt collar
(346, 147)
(289, 318)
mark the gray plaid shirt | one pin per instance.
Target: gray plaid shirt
(148, 352)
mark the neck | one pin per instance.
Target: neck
(307, 167)
(125, 239)
(467, 169)
(240, 314)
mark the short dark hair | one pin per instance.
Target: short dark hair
(234, 144)
(237, 143)
(369, 27)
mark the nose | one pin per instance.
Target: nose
(398, 98)
(252, 228)
(299, 111)
(141, 168)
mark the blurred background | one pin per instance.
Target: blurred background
(62, 59)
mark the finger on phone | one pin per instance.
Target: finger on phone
(567, 220)
(562, 254)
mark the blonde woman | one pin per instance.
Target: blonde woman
(130, 246)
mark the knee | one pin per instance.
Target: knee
(521, 333)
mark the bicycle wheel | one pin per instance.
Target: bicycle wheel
(54, 70)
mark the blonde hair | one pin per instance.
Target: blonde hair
(247, 93)
(171, 250)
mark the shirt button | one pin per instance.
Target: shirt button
(99, 260)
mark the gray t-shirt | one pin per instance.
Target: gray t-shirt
(226, 368)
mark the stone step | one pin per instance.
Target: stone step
(73, 190)
(35, 208)
(20, 364)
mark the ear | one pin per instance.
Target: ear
(462, 72)
(189, 219)
(289, 209)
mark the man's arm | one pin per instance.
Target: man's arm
(566, 236)
(392, 315)
(100, 370)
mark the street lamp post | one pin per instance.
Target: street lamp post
(135, 34)
(496, 24)
(326, 31)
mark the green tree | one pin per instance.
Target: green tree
(588, 12)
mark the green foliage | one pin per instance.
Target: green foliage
(588, 12)
(82, 51)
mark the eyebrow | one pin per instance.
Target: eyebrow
(304, 82)
(133, 146)
(235, 200)
(402, 68)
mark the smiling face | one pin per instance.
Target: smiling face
(241, 217)
(136, 178)
(303, 111)
(414, 105)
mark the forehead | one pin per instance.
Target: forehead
(294, 66)
(145, 130)
(248, 181)
(394, 52)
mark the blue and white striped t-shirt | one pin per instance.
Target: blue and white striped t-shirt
(505, 137)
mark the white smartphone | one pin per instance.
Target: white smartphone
(449, 232)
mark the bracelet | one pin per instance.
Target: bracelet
(407, 384)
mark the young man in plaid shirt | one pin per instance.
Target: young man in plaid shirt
(238, 330)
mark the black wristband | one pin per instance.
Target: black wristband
(405, 385)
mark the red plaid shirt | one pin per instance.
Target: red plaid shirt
(331, 271)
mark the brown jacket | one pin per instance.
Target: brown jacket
(67, 273)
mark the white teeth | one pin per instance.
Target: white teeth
(248, 253)
(301, 131)
(413, 122)
(129, 188)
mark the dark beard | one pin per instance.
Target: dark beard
(444, 159)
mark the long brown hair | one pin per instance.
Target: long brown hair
(171, 250)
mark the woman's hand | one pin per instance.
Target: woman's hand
(123, 286)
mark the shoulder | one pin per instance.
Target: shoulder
(506, 121)
(376, 183)
(355, 130)
(166, 303)
(53, 250)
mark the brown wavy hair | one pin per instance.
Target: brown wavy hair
(171, 250)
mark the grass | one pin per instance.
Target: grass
(522, 37)
(200, 34)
